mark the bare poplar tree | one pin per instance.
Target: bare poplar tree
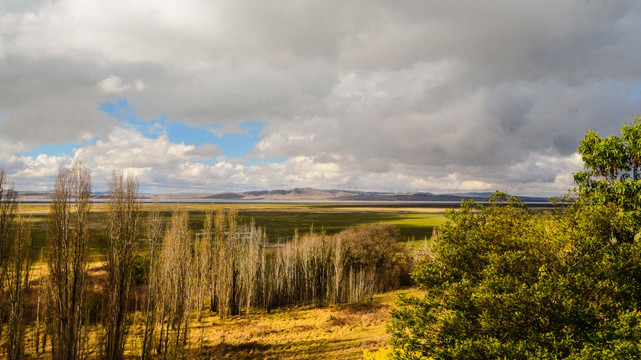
(154, 237)
(209, 236)
(123, 227)
(252, 245)
(172, 270)
(236, 262)
(201, 271)
(67, 238)
(8, 212)
(18, 285)
(40, 310)
(338, 262)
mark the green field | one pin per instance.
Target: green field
(280, 221)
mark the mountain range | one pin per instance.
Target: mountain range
(297, 194)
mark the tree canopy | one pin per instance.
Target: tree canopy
(504, 283)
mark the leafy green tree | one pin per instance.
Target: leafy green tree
(506, 284)
(611, 177)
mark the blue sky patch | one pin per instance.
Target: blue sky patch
(120, 110)
(237, 145)
(233, 145)
(180, 131)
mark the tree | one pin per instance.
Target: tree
(612, 177)
(481, 276)
(67, 239)
(8, 213)
(503, 283)
(18, 277)
(154, 227)
(123, 228)
(15, 266)
(173, 291)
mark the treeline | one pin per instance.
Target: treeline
(165, 273)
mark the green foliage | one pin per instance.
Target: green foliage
(382, 354)
(612, 177)
(506, 284)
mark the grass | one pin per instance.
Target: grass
(340, 331)
(334, 332)
(281, 221)
(343, 331)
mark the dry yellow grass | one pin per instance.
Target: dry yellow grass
(341, 331)
(334, 332)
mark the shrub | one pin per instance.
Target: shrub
(506, 284)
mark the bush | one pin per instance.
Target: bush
(379, 247)
(505, 284)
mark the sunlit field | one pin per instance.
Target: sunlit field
(302, 332)
(280, 221)
(309, 332)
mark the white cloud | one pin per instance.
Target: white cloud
(499, 93)
(114, 85)
(165, 166)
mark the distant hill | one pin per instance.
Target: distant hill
(297, 194)
(284, 195)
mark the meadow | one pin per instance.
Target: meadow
(344, 331)
(281, 221)
(335, 330)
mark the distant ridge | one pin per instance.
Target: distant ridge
(296, 194)
(347, 195)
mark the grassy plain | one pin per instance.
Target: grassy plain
(280, 220)
(340, 331)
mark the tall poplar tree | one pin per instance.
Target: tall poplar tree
(67, 240)
(123, 233)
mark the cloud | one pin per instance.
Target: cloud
(162, 165)
(114, 85)
(497, 92)
(205, 151)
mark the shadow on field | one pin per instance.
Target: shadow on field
(363, 307)
(308, 349)
(247, 350)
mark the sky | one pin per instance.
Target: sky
(234, 95)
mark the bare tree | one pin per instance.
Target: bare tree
(154, 237)
(8, 212)
(236, 262)
(209, 236)
(123, 227)
(173, 288)
(202, 269)
(67, 238)
(18, 285)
